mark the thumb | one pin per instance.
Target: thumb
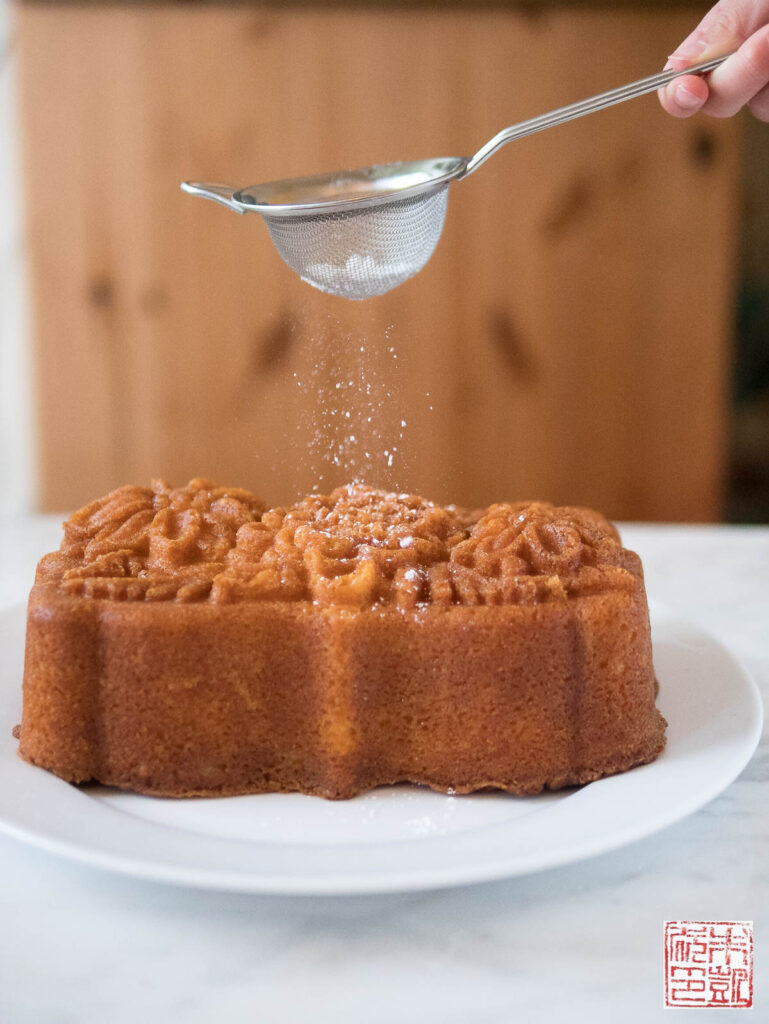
(725, 27)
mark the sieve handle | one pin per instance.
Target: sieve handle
(588, 106)
(218, 193)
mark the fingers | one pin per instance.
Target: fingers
(741, 78)
(684, 96)
(738, 81)
(725, 27)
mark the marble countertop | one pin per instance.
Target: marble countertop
(584, 942)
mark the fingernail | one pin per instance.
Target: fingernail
(687, 99)
(689, 49)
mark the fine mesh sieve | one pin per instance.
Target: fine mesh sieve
(364, 252)
(361, 233)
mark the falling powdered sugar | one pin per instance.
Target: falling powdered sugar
(352, 419)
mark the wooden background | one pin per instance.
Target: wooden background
(569, 339)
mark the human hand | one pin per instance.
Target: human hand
(731, 25)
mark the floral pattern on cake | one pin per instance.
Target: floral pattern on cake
(357, 547)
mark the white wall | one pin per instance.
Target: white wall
(16, 444)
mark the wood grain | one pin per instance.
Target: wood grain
(569, 340)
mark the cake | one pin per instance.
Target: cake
(193, 642)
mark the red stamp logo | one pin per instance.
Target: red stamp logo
(709, 963)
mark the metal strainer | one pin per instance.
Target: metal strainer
(361, 233)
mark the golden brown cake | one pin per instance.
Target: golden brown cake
(193, 642)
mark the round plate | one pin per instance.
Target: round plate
(395, 838)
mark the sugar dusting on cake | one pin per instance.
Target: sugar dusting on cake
(356, 547)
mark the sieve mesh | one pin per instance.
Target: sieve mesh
(360, 253)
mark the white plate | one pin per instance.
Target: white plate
(401, 837)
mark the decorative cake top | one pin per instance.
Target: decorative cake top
(356, 546)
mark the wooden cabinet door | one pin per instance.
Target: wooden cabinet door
(568, 340)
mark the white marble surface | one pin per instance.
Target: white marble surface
(581, 943)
